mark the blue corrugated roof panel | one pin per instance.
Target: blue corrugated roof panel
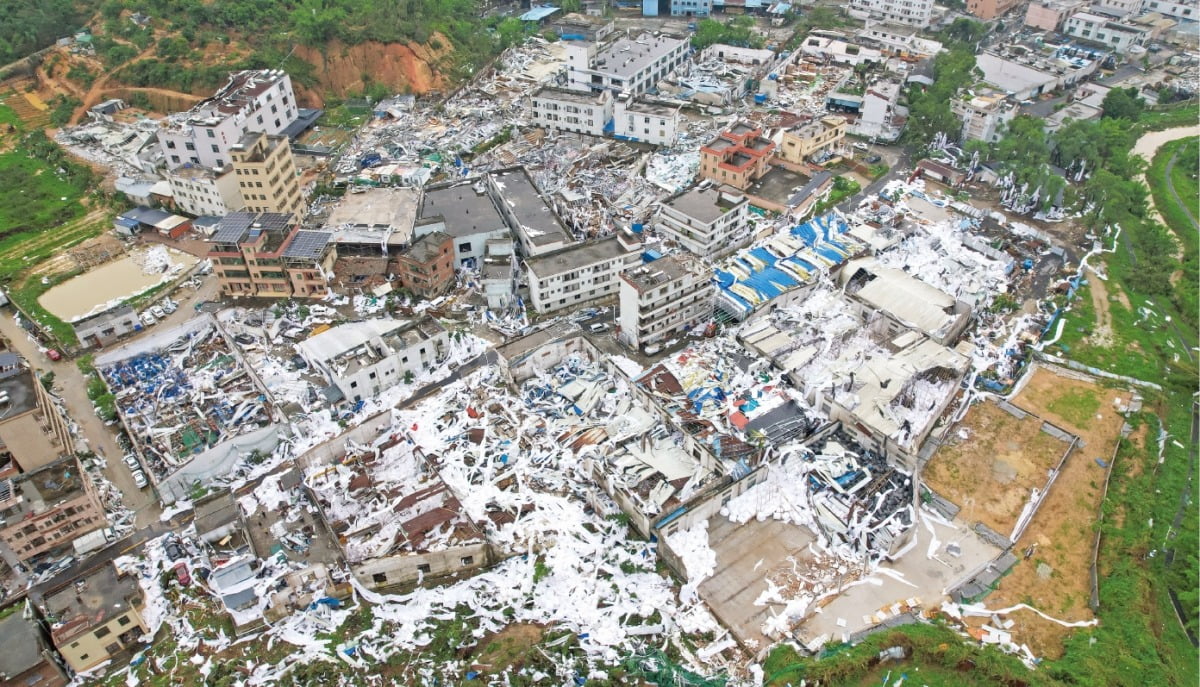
(764, 255)
(538, 13)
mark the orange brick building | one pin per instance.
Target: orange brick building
(737, 156)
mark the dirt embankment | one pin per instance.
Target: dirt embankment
(402, 67)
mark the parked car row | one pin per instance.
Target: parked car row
(154, 313)
(135, 469)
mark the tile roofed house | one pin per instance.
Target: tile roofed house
(737, 156)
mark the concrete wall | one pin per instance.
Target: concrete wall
(549, 355)
(397, 572)
(329, 451)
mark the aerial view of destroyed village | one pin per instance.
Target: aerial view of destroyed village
(673, 343)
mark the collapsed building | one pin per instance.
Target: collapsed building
(190, 403)
(396, 520)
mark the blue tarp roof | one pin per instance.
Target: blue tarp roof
(817, 235)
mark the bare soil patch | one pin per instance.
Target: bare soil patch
(1055, 576)
(991, 472)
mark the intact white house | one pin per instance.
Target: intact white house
(664, 297)
(632, 65)
(254, 100)
(1095, 28)
(710, 221)
(363, 358)
(918, 13)
(583, 112)
(638, 120)
(581, 273)
(203, 191)
(600, 114)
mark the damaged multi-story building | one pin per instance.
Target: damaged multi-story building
(360, 359)
(253, 101)
(664, 298)
(48, 508)
(268, 255)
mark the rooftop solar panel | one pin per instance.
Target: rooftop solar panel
(307, 244)
(233, 227)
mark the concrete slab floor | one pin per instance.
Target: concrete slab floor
(297, 520)
(924, 578)
(778, 185)
(745, 554)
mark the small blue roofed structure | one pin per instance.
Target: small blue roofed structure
(539, 13)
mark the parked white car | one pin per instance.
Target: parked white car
(169, 306)
(139, 478)
(148, 319)
(158, 312)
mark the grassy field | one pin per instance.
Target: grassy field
(1169, 117)
(1139, 639)
(1177, 218)
(936, 656)
(35, 198)
(46, 209)
(8, 117)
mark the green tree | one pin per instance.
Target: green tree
(929, 108)
(964, 31)
(317, 21)
(737, 31)
(511, 31)
(1122, 103)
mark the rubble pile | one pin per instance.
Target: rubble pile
(184, 393)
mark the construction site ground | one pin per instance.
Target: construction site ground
(1055, 576)
(990, 463)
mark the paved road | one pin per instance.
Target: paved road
(1171, 188)
(70, 384)
(1121, 73)
(900, 166)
